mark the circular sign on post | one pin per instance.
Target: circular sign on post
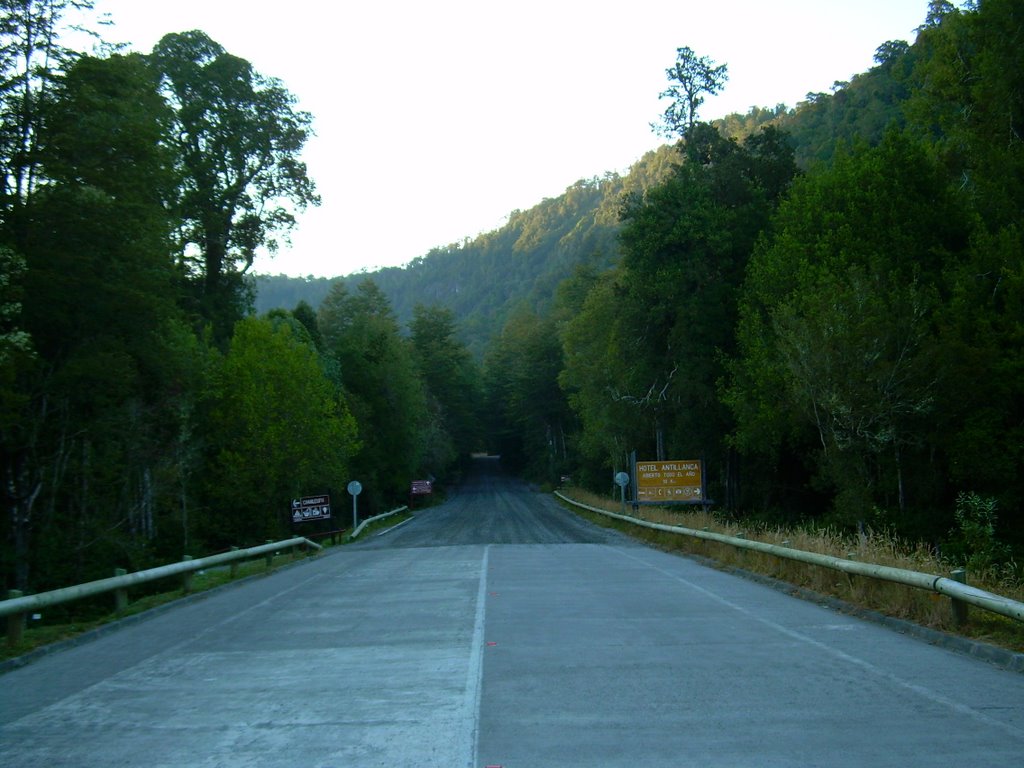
(355, 488)
(622, 479)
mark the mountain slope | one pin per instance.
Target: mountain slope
(483, 279)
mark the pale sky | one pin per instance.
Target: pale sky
(435, 120)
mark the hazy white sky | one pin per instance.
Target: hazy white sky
(435, 120)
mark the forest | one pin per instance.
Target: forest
(825, 303)
(146, 411)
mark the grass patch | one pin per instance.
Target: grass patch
(915, 605)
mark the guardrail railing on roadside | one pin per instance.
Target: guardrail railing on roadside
(957, 591)
(17, 607)
(367, 521)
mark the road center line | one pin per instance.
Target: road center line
(475, 671)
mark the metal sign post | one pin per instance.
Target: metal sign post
(622, 480)
(354, 488)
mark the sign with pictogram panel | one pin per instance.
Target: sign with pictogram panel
(311, 508)
(670, 481)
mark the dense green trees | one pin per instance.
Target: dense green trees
(655, 335)
(528, 416)
(143, 414)
(237, 138)
(838, 331)
(452, 380)
(89, 435)
(275, 428)
(377, 371)
(844, 347)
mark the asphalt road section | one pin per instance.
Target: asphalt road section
(499, 630)
(492, 508)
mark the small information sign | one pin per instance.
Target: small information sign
(669, 481)
(421, 488)
(311, 508)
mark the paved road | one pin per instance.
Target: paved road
(499, 630)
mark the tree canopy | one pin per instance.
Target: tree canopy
(238, 139)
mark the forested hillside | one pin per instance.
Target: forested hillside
(825, 303)
(541, 246)
(483, 279)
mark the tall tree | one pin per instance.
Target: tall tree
(238, 138)
(691, 79)
(88, 440)
(275, 429)
(31, 57)
(451, 378)
(378, 374)
(837, 337)
(685, 246)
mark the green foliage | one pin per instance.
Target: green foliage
(453, 386)
(274, 429)
(32, 56)
(837, 328)
(378, 374)
(14, 342)
(691, 78)
(527, 414)
(237, 138)
(973, 542)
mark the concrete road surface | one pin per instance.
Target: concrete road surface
(500, 630)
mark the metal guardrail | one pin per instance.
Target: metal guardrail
(367, 521)
(942, 585)
(17, 607)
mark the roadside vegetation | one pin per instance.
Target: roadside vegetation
(71, 620)
(878, 547)
(64, 622)
(822, 303)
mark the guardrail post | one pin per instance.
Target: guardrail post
(15, 622)
(269, 559)
(851, 579)
(959, 606)
(120, 595)
(234, 565)
(186, 578)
